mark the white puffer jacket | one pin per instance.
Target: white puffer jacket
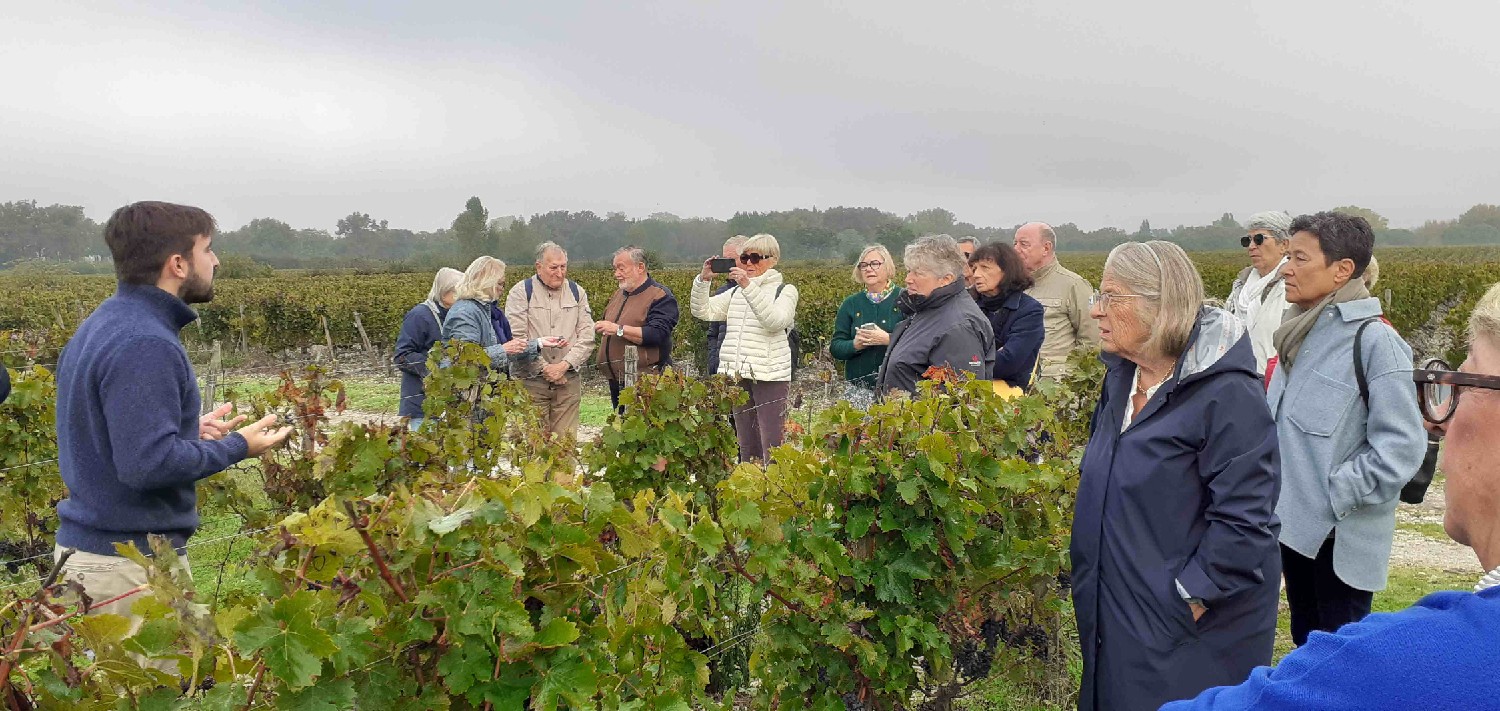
(756, 324)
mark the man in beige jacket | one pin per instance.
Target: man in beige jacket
(1063, 294)
(551, 304)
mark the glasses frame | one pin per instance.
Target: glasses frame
(1445, 375)
(1100, 297)
(872, 263)
(1257, 239)
(752, 258)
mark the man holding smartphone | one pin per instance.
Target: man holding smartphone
(551, 304)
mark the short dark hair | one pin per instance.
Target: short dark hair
(1005, 257)
(1340, 236)
(142, 236)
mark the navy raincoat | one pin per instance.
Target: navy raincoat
(1183, 501)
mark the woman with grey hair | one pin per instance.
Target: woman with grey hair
(943, 326)
(1175, 564)
(422, 327)
(1259, 294)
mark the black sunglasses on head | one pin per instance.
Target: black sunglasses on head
(750, 258)
(1257, 239)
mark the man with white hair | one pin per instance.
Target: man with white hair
(1063, 294)
(551, 304)
(1439, 653)
(642, 313)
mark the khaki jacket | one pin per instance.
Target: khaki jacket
(1065, 298)
(550, 313)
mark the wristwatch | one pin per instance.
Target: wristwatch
(620, 330)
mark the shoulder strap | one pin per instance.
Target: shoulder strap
(1266, 292)
(572, 285)
(436, 316)
(1359, 363)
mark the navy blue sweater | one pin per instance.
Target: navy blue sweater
(127, 426)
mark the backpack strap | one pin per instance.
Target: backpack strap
(1266, 292)
(572, 286)
(436, 316)
(1359, 363)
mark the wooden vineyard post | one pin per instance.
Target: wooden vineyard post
(215, 364)
(327, 337)
(244, 332)
(364, 338)
(632, 359)
(1387, 301)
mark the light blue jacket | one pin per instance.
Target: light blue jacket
(1342, 465)
(469, 320)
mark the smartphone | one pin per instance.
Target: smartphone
(866, 326)
(720, 265)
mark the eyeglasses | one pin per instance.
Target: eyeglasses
(1438, 387)
(874, 263)
(751, 258)
(1257, 239)
(1103, 300)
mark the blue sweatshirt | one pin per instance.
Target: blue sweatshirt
(1441, 653)
(127, 426)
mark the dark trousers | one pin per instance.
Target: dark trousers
(1319, 601)
(760, 423)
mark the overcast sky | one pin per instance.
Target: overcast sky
(1095, 112)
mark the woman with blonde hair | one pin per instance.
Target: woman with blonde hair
(1176, 568)
(759, 312)
(470, 318)
(862, 329)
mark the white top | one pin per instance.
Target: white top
(1248, 301)
(1135, 386)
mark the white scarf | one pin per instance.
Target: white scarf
(1490, 580)
(1250, 292)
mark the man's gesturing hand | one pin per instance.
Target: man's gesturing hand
(260, 437)
(213, 427)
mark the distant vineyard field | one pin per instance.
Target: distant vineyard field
(1431, 292)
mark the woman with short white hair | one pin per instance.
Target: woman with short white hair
(422, 327)
(759, 312)
(1175, 562)
(1258, 296)
(944, 328)
(862, 329)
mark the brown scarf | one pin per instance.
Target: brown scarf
(1298, 323)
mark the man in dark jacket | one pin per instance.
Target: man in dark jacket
(641, 313)
(4, 384)
(717, 329)
(131, 444)
(943, 328)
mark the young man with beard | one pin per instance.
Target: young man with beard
(131, 445)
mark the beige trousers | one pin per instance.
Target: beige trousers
(558, 403)
(108, 576)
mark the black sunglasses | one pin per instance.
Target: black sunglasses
(1438, 387)
(1257, 239)
(750, 258)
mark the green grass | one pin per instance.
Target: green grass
(594, 409)
(1428, 529)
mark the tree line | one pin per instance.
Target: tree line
(33, 234)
